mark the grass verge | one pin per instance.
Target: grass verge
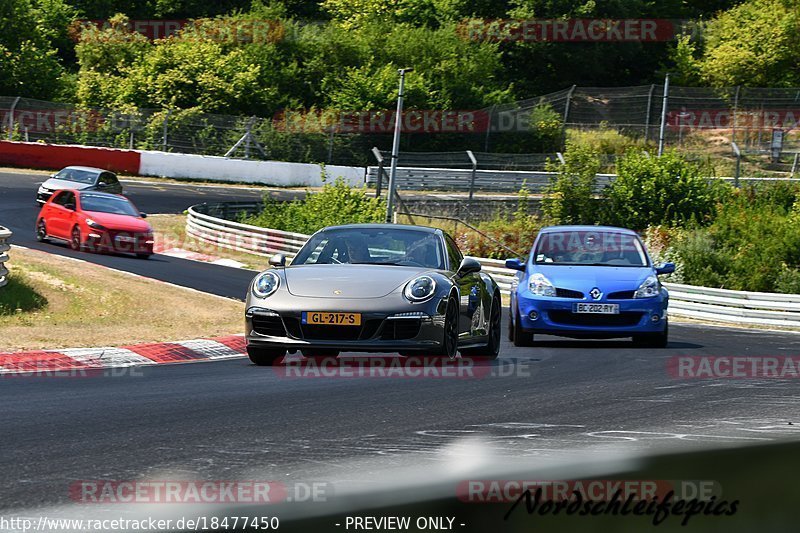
(77, 304)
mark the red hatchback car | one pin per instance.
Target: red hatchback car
(90, 220)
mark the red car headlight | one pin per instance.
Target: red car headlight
(92, 224)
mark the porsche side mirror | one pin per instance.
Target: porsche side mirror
(468, 266)
(515, 264)
(71, 207)
(102, 185)
(143, 215)
(665, 268)
(278, 260)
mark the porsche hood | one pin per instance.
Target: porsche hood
(348, 280)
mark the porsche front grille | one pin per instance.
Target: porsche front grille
(268, 325)
(400, 329)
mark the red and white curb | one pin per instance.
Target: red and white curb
(83, 359)
(195, 256)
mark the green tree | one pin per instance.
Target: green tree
(29, 64)
(755, 44)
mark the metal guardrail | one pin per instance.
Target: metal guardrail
(5, 235)
(461, 180)
(738, 307)
(703, 303)
(465, 180)
(241, 237)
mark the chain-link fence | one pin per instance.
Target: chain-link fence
(761, 121)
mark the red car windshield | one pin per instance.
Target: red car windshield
(107, 204)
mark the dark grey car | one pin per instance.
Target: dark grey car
(81, 179)
(374, 288)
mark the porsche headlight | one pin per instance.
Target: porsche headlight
(649, 288)
(420, 289)
(92, 224)
(539, 285)
(265, 284)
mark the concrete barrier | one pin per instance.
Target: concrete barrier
(57, 156)
(213, 168)
(170, 165)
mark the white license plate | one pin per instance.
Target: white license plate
(599, 309)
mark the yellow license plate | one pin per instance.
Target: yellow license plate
(332, 319)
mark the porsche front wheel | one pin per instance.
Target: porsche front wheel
(450, 337)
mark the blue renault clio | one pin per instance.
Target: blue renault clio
(589, 282)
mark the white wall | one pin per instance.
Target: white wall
(215, 168)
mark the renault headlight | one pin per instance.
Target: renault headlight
(539, 285)
(265, 284)
(649, 288)
(420, 289)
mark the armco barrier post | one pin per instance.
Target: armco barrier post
(379, 157)
(472, 175)
(5, 235)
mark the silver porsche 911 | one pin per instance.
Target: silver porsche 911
(373, 288)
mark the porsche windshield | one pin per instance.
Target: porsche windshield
(378, 246)
(595, 248)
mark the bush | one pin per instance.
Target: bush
(570, 197)
(750, 246)
(660, 190)
(788, 280)
(660, 243)
(605, 141)
(337, 203)
(544, 133)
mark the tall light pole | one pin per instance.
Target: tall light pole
(398, 123)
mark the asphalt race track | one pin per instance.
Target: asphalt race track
(18, 212)
(231, 420)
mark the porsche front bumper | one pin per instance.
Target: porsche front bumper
(396, 326)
